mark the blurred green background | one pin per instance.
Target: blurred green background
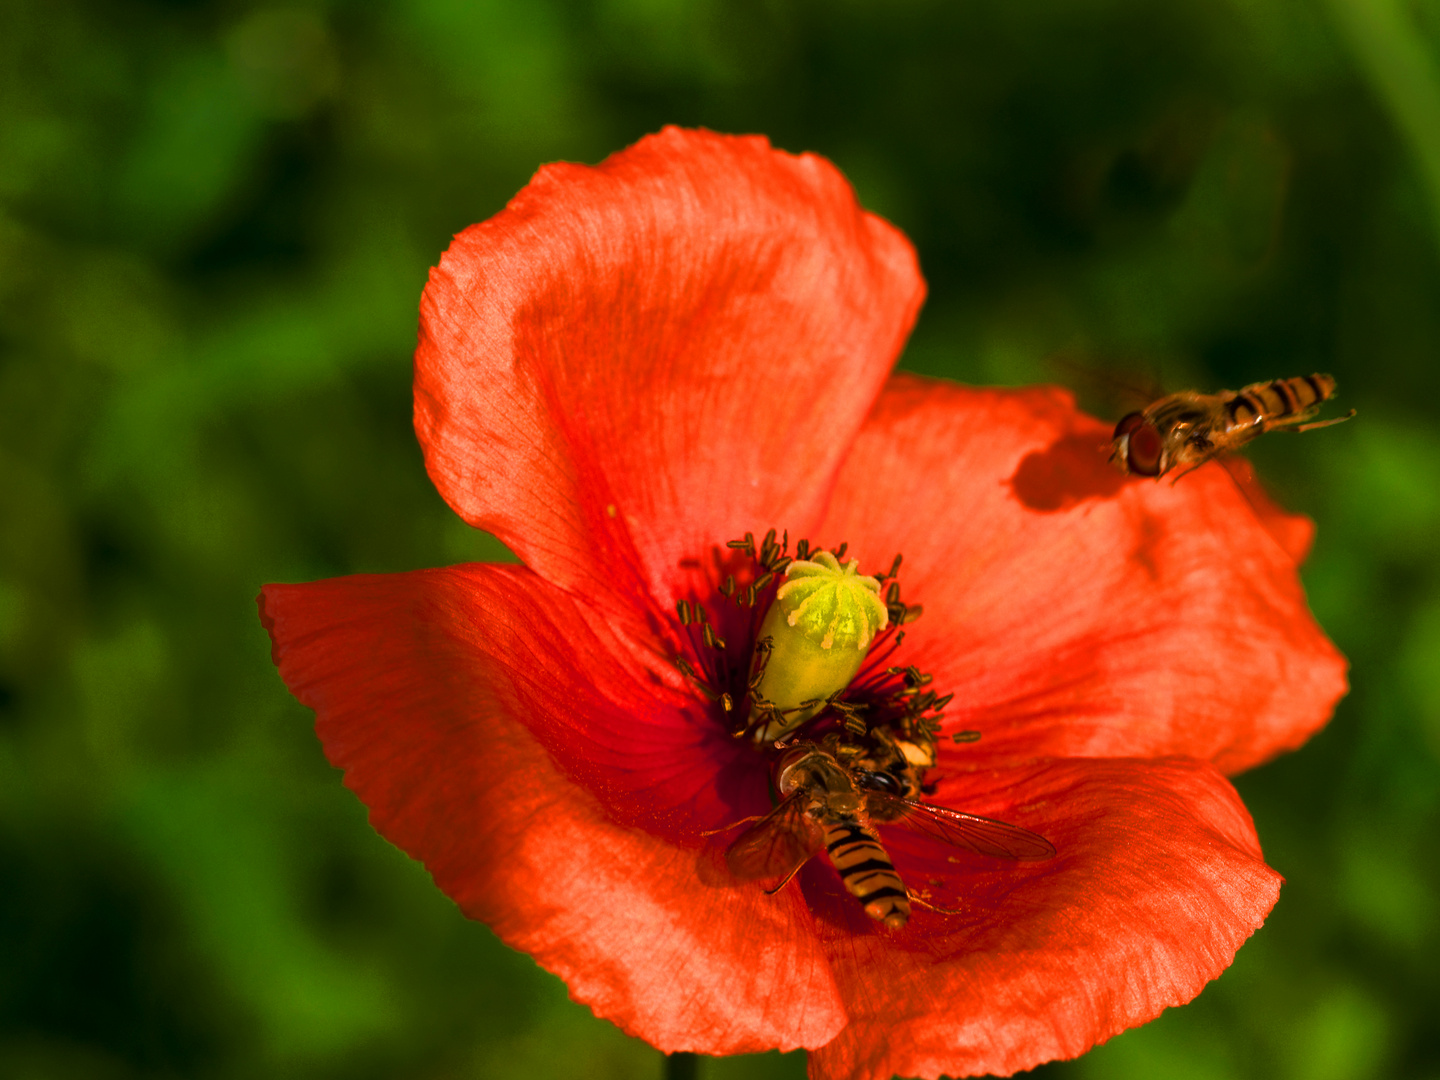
(215, 223)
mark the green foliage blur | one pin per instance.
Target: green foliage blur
(215, 222)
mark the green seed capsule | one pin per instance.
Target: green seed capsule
(820, 627)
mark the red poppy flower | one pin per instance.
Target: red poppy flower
(637, 362)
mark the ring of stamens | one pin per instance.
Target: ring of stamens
(886, 712)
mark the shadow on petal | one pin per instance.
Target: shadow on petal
(1069, 471)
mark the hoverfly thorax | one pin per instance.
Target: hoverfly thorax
(829, 789)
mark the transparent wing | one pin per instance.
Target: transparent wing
(972, 832)
(777, 845)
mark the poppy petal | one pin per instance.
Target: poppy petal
(425, 687)
(611, 370)
(1157, 882)
(1073, 611)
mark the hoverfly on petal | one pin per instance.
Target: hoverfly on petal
(1185, 430)
(825, 804)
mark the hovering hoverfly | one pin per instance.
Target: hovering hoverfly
(1186, 430)
(826, 805)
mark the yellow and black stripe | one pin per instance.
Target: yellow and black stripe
(867, 872)
(1277, 400)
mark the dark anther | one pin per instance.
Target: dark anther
(727, 590)
(840, 551)
(913, 612)
(966, 736)
(727, 702)
(769, 549)
(763, 648)
(802, 549)
(683, 607)
(762, 581)
(892, 594)
(765, 714)
(746, 545)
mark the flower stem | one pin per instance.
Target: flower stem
(682, 1065)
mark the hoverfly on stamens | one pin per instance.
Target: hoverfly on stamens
(826, 805)
(1187, 429)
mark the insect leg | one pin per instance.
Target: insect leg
(777, 888)
(733, 825)
(1188, 469)
(915, 898)
(1324, 423)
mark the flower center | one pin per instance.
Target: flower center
(801, 647)
(813, 640)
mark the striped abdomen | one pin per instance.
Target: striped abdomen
(1261, 404)
(868, 873)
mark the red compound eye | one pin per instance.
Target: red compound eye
(1129, 423)
(1144, 451)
